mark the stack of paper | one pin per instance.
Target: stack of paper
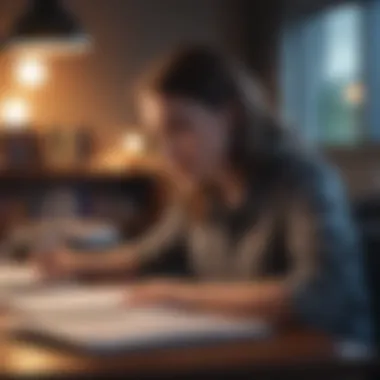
(141, 328)
(69, 299)
(15, 277)
(100, 319)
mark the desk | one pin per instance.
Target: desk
(291, 348)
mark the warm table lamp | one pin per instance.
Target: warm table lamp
(15, 114)
(47, 28)
(19, 145)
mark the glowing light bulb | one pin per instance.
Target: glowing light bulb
(15, 113)
(133, 143)
(354, 93)
(31, 72)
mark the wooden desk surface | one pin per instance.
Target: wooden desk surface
(290, 348)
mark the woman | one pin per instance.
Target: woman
(269, 232)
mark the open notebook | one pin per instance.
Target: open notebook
(100, 320)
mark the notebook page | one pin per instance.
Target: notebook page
(13, 275)
(139, 327)
(100, 318)
(15, 278)
(69, 298)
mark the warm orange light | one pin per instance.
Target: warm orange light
(31, 72)
(15, 113)
(133, 143)
(354, 93)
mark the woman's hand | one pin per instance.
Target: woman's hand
(267, 300)
(159, 291)
(64, 263)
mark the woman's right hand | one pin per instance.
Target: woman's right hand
(64, 264)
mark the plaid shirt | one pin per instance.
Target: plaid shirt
(335, 297)
(323, 268)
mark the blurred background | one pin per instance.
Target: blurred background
(70, 144)
(317, 59)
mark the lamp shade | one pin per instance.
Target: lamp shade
(47, 27)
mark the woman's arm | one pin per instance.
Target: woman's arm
(128, 257)
(69, 262)
(268, 300)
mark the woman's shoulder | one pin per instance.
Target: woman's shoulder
(304, 167)
(311, 176)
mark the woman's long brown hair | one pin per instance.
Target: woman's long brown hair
(215, 80)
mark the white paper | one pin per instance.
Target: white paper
(101, 318)
(14, 276)
(69, 298)
(139, 327)
(14, 279)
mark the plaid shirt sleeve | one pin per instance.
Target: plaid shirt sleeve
(328, 282)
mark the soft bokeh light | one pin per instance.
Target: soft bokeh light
(133, 143)
(15, 113)
(354, 93)
(31, 72)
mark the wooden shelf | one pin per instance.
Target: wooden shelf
(70, 176)
(136, 170)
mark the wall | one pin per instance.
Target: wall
(263, 20)
(359, 169)
(96, 89)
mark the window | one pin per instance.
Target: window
(341, 93)
(324, 76)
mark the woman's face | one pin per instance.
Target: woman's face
(194, 137)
